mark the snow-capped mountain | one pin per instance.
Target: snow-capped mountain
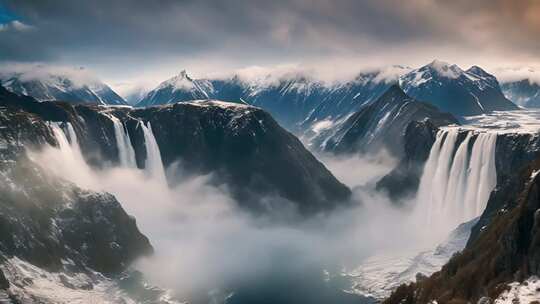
(52, 86)
(289, 99)
(135, 95)
(299, 102)
(178, 88)
(523, 92)
(347, 97)
(295, 100)
(380, 124)
(454, 90)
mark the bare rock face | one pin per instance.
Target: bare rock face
(4, 283)
(404, 179)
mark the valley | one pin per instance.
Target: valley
(209, 169)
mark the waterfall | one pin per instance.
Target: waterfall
(457, 180)
(68, 145)
(126, 154)
(153, 165)
(72, 157)
(68, 159)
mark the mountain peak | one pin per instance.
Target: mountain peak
(438, 63)
(66, 84)
(181, 81)
(476, 70)
(183, 74)
(444, 69)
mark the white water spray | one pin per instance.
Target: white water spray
(457, 180)
(69, 155)
(126, 154)
(153, 165)
(68, 145)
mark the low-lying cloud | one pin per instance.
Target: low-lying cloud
(206, 247)
(47, 73)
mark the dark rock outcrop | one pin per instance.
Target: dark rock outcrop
(403, 181)
(4, 283)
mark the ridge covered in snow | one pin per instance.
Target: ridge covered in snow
(457, 91)
(299, 100)
(70, 85)
(524, 92)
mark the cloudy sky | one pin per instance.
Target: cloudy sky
(130, 41)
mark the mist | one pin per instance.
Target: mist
(207, 248)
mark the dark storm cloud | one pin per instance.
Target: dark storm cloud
(160, 27)
(278, 30)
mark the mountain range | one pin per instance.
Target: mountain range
(299, 102)
(60, 86)
(453, 90)
(524, 92)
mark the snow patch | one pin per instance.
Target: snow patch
(504, 122)
(526, 292)
(322, 125)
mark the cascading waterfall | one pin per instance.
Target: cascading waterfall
(457, 180)
(68, 145)
(69, 156)
(126, 153)
(484, 178)
(153, 165)
(72, 156)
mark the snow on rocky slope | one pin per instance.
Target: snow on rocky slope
(523, 92)
(67, 85)
(457, 91)
(379, 275)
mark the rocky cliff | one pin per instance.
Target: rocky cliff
(242, 145)
(51, 223)
(505, 250)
